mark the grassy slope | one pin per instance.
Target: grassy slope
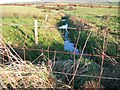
(26, 15)
(16, 35)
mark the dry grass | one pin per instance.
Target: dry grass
(19, 74)
(92, 85)
(20, 11)
(26, 75)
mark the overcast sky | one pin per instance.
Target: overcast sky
(7, 1)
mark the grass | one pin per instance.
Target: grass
(10, 11)
(19, 74)
(25, 77)
(49, 37)
(23, 36)
(25, 16)
(94, 11)
(94, 15)
(52, 38)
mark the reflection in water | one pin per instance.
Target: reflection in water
(68, 46)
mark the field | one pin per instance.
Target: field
(101, 38)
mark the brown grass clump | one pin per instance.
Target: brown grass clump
(27, 75)
(19, 75)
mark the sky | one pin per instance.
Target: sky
(8, 1)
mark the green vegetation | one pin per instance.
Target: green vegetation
(95, 15)
(102, 18)
(48, 37)
(12, 11)
(79, 11)
(22, 35)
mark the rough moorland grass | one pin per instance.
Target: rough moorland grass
(16, 34)
(23, 35)
(93, 11)
(20, 11)
(94, 14)
(25, 16)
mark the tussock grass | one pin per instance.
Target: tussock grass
(26, 75)
(19, 74)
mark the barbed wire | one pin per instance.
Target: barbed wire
(70, 28)
(72, 53)
(90, 76)
(63, 52)
(55, 27)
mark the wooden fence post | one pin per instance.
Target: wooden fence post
(36, 31)
(46, 18)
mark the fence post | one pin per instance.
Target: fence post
(46, 18)
(36, 31)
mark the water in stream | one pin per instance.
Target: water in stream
(68, 46)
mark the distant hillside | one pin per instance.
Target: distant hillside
(73, 1)
(97, 2)
(78, 0)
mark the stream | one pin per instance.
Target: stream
(68, 46)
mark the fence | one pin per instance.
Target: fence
(103, 55)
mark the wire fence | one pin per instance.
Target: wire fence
(63, 52)
(103, 55)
